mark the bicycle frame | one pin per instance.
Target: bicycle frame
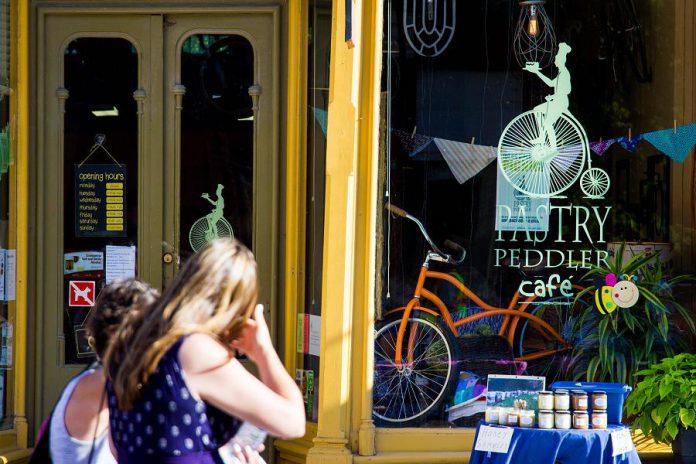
(512, 314)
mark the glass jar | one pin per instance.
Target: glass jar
(527, 418)
(579, 400)
(545, 401)
(546, 419)
(581, 420)
(562, 419)
(561, 400)
(493, 415)
(599, 400)
(513, 417)
(599, 419)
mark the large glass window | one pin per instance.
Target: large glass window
(309, 320)
(550, 222)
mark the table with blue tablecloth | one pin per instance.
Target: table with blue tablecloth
(539, 446)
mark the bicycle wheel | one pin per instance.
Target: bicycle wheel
(559, 314)
(531, 162)
(594, 183)
(406, 394)
(198, 235)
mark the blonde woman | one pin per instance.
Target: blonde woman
(176, 392)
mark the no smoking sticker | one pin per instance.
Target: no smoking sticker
(81, 293)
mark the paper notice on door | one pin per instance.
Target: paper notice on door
(10, 275)
(314, 334)
(120, 262)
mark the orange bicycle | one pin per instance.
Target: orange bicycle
(415, 347)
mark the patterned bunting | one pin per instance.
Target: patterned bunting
(601, 146)
(675, 145)
(412, 143)
(464, 159)
(322, 117)
(631, 144)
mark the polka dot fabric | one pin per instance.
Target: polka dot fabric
(167, 424)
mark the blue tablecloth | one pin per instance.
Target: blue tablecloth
(537, 446)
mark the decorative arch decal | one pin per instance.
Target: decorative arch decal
(429, 25)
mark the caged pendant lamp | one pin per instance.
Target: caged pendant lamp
(535, 39)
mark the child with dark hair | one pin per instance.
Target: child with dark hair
(78, 431)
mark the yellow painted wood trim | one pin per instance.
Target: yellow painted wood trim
(15, 456)
(420, 440)
(362, 425)
(295, 177)
(19, 212)
(332, 441)
(432, 457)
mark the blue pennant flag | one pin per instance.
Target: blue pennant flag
(675, 145)
(630, 144)
(322, 117)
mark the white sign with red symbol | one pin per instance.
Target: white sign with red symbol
(81, 293)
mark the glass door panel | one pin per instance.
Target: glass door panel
(217, 141)
(100, 174)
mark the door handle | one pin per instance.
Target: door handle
(167, 258)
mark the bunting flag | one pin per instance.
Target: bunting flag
(464, 159)
(412, 143)
(322, 118)
(602, 146)
(631, 144)
(675, 144)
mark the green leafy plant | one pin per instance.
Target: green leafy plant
(612, 347)
(665, 399)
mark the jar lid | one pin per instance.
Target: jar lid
(599, 411)
(599, 392)
(562, 412)
(580, 413)
(579, 392)
(545, 411)
(546, 392)
(561, 392)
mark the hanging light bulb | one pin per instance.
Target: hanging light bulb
(535, 40)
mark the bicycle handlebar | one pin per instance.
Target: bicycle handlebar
(448, 243)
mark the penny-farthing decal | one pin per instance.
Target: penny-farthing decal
(429, 25)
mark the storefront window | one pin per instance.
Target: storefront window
(100, 178)
(7, 285)
(309, 321)
(561, 226)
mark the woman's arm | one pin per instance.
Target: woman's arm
(275, 404)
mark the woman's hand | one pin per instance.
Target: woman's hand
(246, 455)
(255, 339)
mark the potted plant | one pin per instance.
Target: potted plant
(664, 403)
(612, 347)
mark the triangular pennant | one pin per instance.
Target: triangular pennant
(465, 160)
(412, 144)
(322, 117)
(630, 144)
(601, 146)
(676, 146)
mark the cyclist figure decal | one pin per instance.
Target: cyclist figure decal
(211, 226)
(542, 152)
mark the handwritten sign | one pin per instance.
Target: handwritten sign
(100, 200)
(621, 442)
(494, 439)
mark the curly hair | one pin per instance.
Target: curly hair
(116, 301)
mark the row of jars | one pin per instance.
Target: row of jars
(547, 419)
(577, 400)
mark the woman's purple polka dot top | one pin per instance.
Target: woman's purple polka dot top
(167, 421)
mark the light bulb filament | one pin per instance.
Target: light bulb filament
(533, 25)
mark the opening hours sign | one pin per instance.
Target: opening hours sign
(100, 200)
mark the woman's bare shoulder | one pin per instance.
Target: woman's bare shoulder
(201, 352)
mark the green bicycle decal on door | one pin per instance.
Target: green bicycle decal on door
(211, 226)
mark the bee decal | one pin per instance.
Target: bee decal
(616, 293)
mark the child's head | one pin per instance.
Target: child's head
(215, 292)
(114, 302)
